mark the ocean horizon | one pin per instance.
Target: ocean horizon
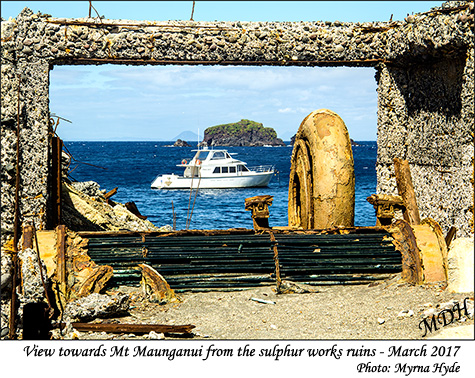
(133, 165)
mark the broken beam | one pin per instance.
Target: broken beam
(132, 328)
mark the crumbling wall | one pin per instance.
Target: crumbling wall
(25, 88)
(424, 70)
(426, 116)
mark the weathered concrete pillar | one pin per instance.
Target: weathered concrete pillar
(425, 116)
(322, 179)
(34, 158)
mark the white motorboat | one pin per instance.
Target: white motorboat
(215, 169)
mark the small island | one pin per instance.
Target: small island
(242, 133)
(181, 143)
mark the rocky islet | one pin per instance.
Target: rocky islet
(242, 133)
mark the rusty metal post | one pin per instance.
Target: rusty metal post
(56, 151)
(405, 189)
(61, 265)
(192, 11)
(276, 261)
(259, 205)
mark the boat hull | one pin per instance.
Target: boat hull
(222, 182)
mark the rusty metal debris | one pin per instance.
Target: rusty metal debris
(433, 250)
(242, 258)
(60, 277)
(58, 118)
(132, 328)
(405, 242)
(192, 11)
(81, 162)
(259, 206)
(110, 193)
(385, 205)
(421, 243)
(91, 7)
(132, 207)
(278, 280)
(155, 287)
(76, 275)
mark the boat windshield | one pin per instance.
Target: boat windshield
(202, 155)
(218, 155)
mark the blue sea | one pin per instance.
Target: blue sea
(132, 166)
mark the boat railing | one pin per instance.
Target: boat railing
(261, 168)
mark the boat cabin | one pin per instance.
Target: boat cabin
(213, 162)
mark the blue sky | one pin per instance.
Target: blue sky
(157, 103)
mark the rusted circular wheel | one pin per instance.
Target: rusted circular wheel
(322, 179)
(300, 187)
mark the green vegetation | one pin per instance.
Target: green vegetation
(243, 126)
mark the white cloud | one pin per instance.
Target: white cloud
(286, 110)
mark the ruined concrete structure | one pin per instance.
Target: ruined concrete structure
(424, 69)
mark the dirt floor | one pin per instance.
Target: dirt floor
(385, 310)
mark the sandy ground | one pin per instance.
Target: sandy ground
(387, 310)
